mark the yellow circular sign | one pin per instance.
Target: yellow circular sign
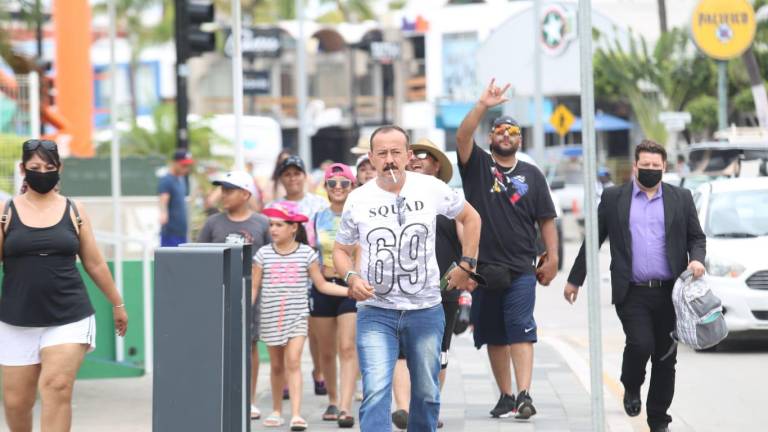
(723, 29)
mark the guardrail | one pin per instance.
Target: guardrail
(148, 246)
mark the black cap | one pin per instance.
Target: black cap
(183, 157)
(505, 120)
(291, 161)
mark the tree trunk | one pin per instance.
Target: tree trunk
(758, 86)
(662, 15)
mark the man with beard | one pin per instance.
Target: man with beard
(512, 197)
(655, 236)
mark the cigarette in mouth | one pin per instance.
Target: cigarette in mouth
(394, 179)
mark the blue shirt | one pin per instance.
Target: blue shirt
(176, 187)
(649, 248)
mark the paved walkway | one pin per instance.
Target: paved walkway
(124, 405)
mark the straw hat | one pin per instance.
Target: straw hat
(363, 146)
(446, 169)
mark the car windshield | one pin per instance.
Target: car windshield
(738, 214)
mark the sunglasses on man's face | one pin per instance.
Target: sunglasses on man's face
(421, 154)
(341, 183)
(34, 144)
(506, 128)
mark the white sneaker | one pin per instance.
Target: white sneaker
(255, 413)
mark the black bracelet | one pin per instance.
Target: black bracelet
(471, 273)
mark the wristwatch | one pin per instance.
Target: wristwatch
(469, 260)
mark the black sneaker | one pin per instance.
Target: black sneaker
(400, 419)
(505, 407)
(525, 408)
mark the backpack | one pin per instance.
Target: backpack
(700, 321)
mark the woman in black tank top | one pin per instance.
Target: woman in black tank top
(42, 291)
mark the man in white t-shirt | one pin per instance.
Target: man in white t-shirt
(398, 289)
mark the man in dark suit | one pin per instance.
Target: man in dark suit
(655, 236)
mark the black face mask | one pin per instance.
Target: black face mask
(41, 182)
(648, 177)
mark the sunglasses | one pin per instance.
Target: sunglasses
(422, 154)
(506, 128)
(400, 202)
(341, 183)
(34, 144)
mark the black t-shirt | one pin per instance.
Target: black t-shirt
(510, 205)
(448, 250)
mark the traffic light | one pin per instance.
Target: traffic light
(191, 39)
(199, 41)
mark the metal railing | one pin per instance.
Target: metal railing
(148, 246)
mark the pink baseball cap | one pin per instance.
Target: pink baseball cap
(339, 169)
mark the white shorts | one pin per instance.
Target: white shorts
(20, 346)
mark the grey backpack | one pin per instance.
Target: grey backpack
(700, 322)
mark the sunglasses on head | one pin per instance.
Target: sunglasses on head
(34, 144)
(341, 183)
(506, 128)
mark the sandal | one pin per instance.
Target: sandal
(346, 420)
(331, 413)
(274, 420)
(298, 424)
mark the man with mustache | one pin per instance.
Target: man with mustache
(398, 286)
(512, 197)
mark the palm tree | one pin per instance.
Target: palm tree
(349, 11)
(20, 64)
(666, 78)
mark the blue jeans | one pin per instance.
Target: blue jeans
(381, 333)
(171, 240)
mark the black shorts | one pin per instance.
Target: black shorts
(328, 306)
(504, 317)
(451, 310)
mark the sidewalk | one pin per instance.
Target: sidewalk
(125, 405)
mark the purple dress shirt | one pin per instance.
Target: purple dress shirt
(649, 249)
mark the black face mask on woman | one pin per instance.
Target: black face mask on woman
(42, 182)
(648, 177)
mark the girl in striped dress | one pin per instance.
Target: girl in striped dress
(281, 274)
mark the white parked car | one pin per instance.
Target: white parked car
(734, 215)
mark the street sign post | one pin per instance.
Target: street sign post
(723, 30)
(562, 119)
(590, 214)
(674, 122)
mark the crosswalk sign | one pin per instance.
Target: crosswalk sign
(562, 119)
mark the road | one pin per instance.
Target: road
(717, 391)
